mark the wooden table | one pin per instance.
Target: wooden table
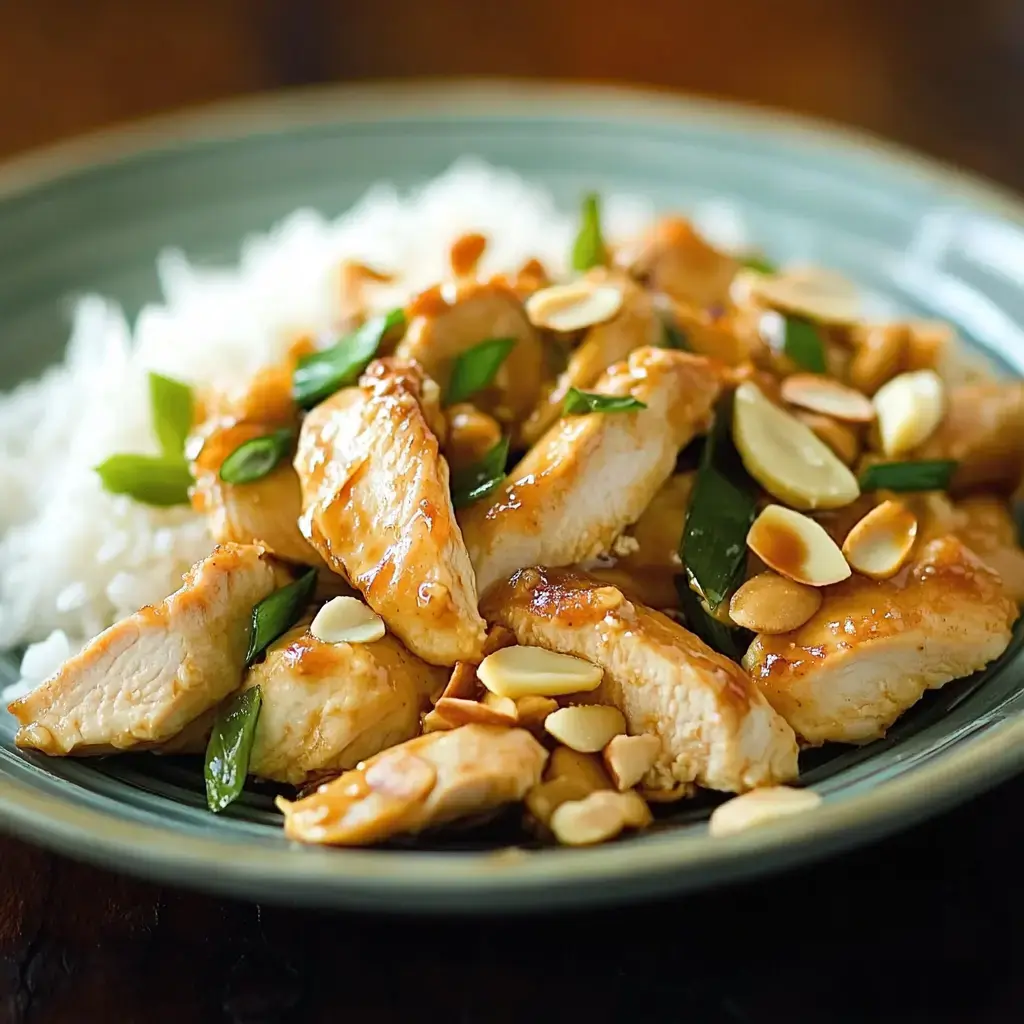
(923, 927)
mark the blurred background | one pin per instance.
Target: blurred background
(941, 75)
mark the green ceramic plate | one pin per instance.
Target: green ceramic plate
(93, 215)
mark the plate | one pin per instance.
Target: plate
(92, 215)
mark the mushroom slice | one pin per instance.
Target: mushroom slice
(591, 476)
(431, 780)
(376, 505)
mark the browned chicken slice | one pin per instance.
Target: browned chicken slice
(875, 647)
(428, 781)
(591, 476)
(715, 728)
(376, 505)
(636, 325)
(141, 681)
(328, 706)
(673, 258)
(446, 322)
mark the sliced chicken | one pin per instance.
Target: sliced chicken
(328, 706)
(444, 323)
(874, 648)
(673, 258)
(636, 325)
(591, 476)
(427, 781)
(141, 681)
(376, 506)
(715, 728)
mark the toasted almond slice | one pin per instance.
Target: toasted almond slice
(533, 671)
(532, 710)
(434, 721)
(571, 307)
(796, 546)
(470, 712)
(598, 817)
(823, 394)
(770, 603)
(571, 764)
(629, 758)
(840, 437)
(587, 728)
(546, 797)
(462, 682)
(786, 457)
(811, 292)
(502, 705)
(347, 620)
(880, 544)
(909, 408)
(760, 806)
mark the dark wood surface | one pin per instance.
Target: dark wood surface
(923, 927)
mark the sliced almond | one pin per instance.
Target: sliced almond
(629, 758)
(760, 806)
(347, 620)
(795, 546)
(584, 768)
(909, 408)
(598, 817)
(434, 721)
(458, 711)
(823, 394)
(571, 307)
(880, 544)
(532, 710)
(786, 457)
(587, 728)
(840, 437)
(534, 671)
(770, 603)
(502, 705)
(546, 797)
(810, 292)
(463, 681)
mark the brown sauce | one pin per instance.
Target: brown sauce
(465, 253)
(780, 547)
(428, 303)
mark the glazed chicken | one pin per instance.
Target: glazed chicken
(143, 680)
(376, 506)
(715, 728)
(589, 477)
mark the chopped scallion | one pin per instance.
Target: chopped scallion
(924, 475)
(732, 641)
(803, 344)
(277, 613)
(589, 249)
(477, 367)
(579, 403)
(479, 480)
(229, 748)
(149, 479)
(171, 408)
(255, 458)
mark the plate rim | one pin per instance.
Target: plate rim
(409, 881)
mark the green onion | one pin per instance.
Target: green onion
(318, 375)
(672, 336)
(589, 250)
(171, 409)
(803, 344)
(477, 481)
(925, 475)
(477, 367)
(277, 613)
(722, 509)
(732, 641)
(227, 753)
(255, 458)
(578, 403)
(149, 479)
(755, 261)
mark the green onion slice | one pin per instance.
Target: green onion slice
(149, 479)
(255, 458)
(171, 408)
(722, 509)
(227, 753)
(589, 249)
(318, 375)
(803, 344)
(579, 403)
(477, 367)
(924, 475)
(277, 613)
(477, 481)
(756, 261)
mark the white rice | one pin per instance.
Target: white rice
(73, 558)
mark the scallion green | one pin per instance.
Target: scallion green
(229, 748)
(255, 458)
(477, 481)
(477, 367)
(277, 613)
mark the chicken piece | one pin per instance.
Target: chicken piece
(266, 397)
(141, 681)
(328, 706)
(875, 647)
(376, 505)
(264, 511)
(713, 725)
(591, 476)
(983, 429)
(457, 319)
(427, 781)
(730, 335)
(673, 258)
(636, 325)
